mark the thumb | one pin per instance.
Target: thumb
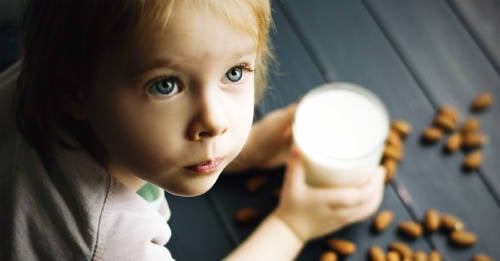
(295, 173)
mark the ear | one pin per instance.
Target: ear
(74, 106)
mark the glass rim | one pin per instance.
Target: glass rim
(348, 86)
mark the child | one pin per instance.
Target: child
(113, 94)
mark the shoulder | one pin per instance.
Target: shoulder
(59, 197)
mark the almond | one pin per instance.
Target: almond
(432, 134)
(376, 253)
(246, 216)
(453, 142)
(449, 111)
(391, 152)
(463, 238)
(328, 256)
(431, 220)
(255, 183)
(394, 139)
(451, 222)
(383, 220)
(403, 249)
(420, 256)
(410, 229)
(444, 122)
(473, 139)
(391, 166)
(393, 256)
(342, 246)
(434, 256)
(470, 125)
(481, 257)
(482, 102)
(402, 127)
(473, 160)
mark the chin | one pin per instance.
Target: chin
(192, 187)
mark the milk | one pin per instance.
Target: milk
(340, 129)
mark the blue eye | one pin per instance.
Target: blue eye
(164, 87)
(234, 74)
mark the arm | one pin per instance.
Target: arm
(305, 213)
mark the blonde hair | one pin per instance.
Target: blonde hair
(64, 40)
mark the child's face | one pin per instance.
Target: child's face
(175, 106)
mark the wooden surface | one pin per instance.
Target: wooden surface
(416, 56)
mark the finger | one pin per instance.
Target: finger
(294, 175)
(340, 197)
(349, 215)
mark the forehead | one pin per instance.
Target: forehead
(191, 33)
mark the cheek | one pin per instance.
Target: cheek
(136, 135)
(243, 116)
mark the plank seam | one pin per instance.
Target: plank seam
(473, 34)
(305, 42)
(397, 49)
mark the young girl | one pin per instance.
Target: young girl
(110, 95)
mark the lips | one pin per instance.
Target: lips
(206, 167)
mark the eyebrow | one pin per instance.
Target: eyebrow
(165, 62)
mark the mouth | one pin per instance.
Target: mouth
(206, 167)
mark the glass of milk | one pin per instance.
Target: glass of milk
(340, 128)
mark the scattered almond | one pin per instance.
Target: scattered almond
(444, 122)
(256, 182)
(376, 253)
(482, 102)
(392, 152)
(402, 127)
(481, 257)
(420, 256)
(451, 223)
(328, 256)
(431, 220)
(393, 256)
(473, 160)
(403, 249)
(391, 167)
(342, 246)
(432, 134)
(470, 125)
(434, 256)
(450, 112)
(473, 139)
(453, 142)
(246, 216)
(410, 228)
(463, 238)
(394, 139)
(383, 220)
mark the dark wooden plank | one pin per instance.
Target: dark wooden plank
(231, 191)
(298, 73)
(351, 44)
(449, 67)
(482, 19)
(197, 232)
(447, 62)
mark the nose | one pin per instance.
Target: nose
(210, 120)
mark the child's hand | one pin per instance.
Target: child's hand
(312, 212)
(268, 142)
